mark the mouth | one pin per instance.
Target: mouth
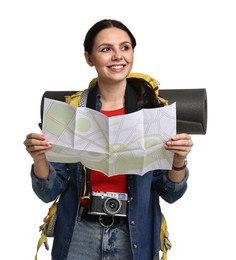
(116, 67)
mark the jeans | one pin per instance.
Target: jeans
(91, 241)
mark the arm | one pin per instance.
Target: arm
(181, 145)
(48, 179)
(172, 184)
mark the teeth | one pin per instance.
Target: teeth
(117, 67)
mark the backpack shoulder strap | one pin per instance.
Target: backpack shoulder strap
(164, 237)
(47, 228)
(79, 99)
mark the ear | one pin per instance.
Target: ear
(88, 59)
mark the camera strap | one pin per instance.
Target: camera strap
(87, 184)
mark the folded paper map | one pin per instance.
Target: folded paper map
(126, 144)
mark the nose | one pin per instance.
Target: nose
(117, 55)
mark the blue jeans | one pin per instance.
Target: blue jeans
(91, 241)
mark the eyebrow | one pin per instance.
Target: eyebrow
(109, 44)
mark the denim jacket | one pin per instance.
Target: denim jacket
(144, 212)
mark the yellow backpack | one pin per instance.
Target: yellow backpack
(75, 99)
(47, 228)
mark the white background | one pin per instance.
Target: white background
(182, 43)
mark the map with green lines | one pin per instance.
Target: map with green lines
(126, 144)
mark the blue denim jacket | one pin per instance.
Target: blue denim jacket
(144, 213)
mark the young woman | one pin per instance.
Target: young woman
(134, 234)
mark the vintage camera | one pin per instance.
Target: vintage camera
(108, 203)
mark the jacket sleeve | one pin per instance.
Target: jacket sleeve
(168, 190)
(48, 190)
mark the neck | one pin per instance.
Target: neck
(112, 96)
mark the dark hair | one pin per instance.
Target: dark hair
(101, 25)
(146, 94)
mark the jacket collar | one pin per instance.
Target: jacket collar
(130, 99)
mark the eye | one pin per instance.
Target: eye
(126, 47)
(105, 49)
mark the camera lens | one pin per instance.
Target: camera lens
(112, 206)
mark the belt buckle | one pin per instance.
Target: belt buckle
(106, 226)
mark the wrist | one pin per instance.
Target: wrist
(39, 160)
(181, 167)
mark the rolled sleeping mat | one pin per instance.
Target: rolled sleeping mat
(191, 107)
(56, 95)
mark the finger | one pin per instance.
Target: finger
(35, 148)
(178, 148)
(34, 142)
(36, 139)
(181, 139)
(35, 136)
(183, 136)
(179, 143)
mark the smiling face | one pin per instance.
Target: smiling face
(112, 55)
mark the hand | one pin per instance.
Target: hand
(37, 145)
(181, 145)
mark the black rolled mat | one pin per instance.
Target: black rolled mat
(191, 107)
